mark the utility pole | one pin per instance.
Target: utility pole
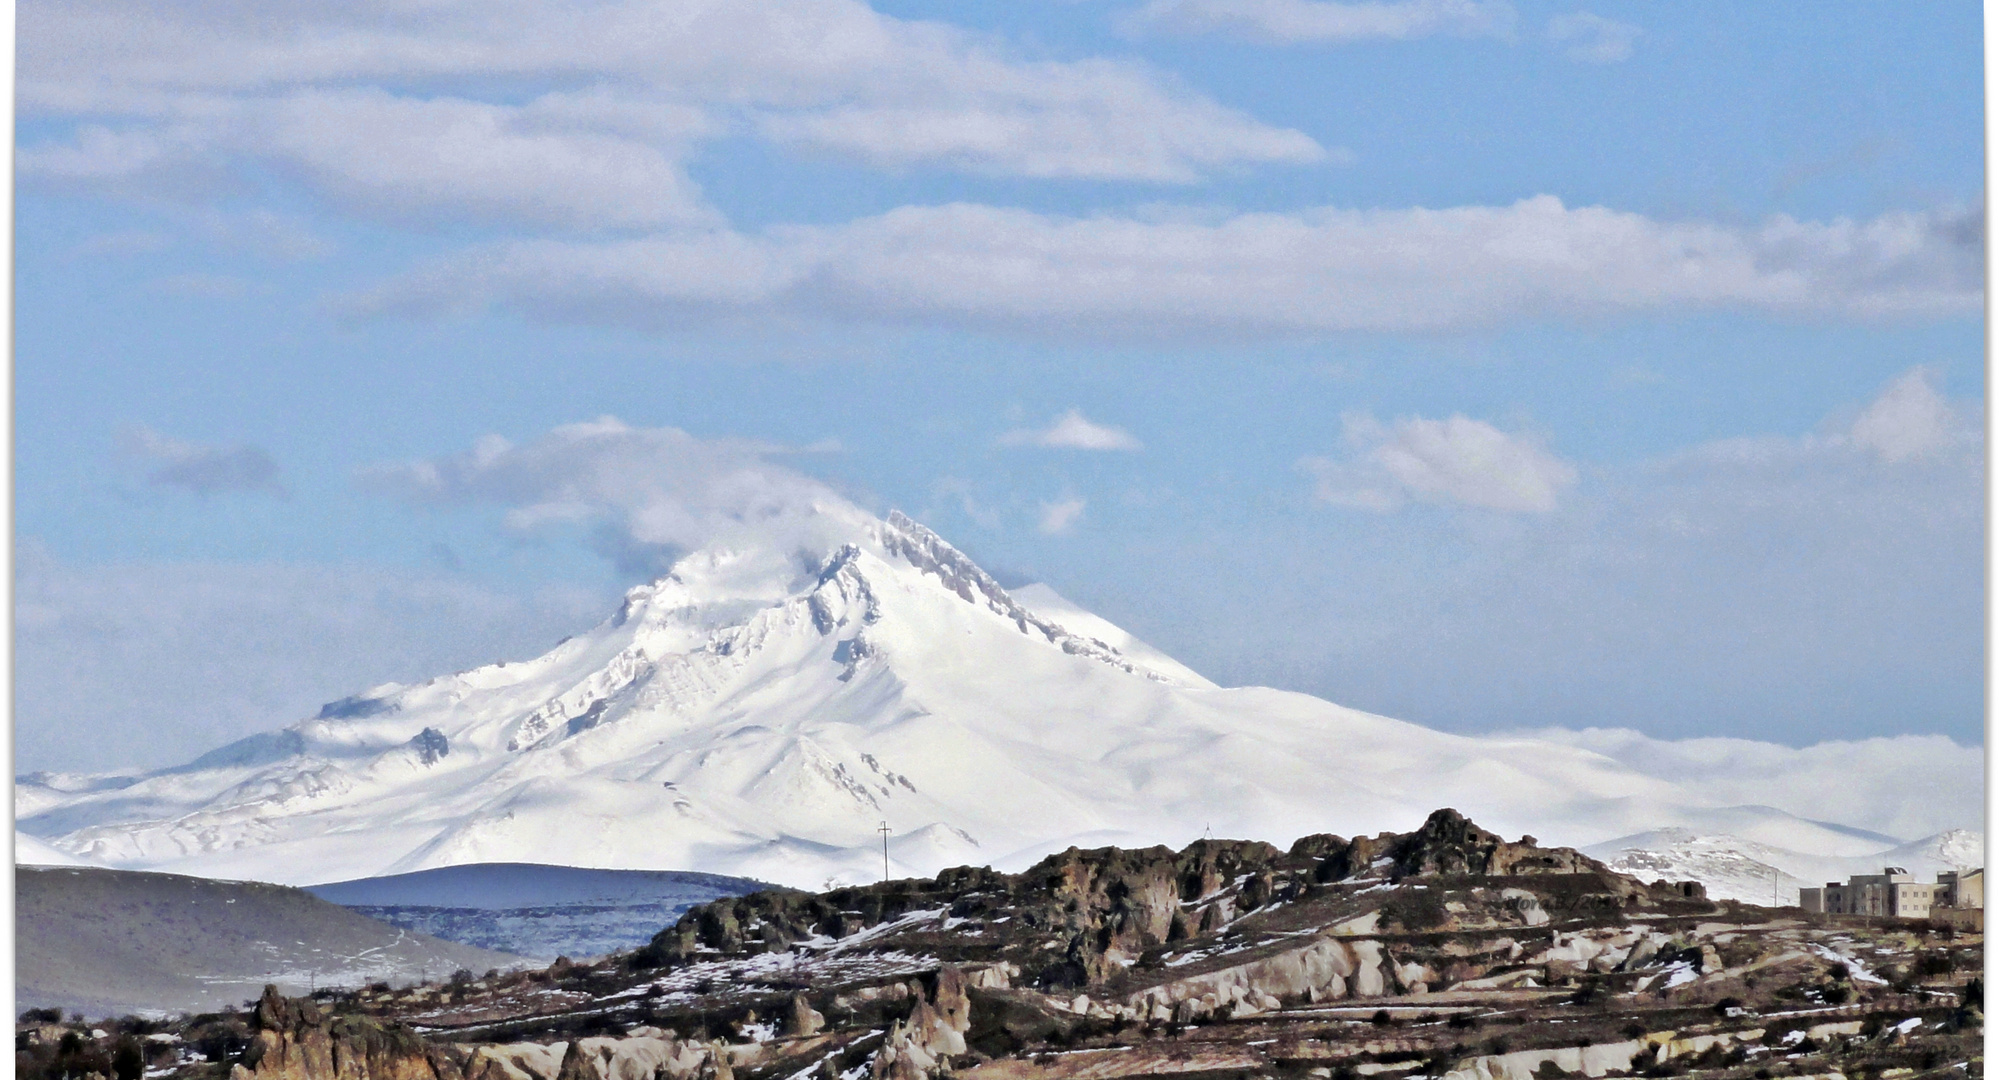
(884, 830)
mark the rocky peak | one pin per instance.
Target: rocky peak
(1448, 843)
(931, 554)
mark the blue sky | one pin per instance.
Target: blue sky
(1488, 364)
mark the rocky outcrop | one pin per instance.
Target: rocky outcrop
(1081, 917)
(516, 1061)
(646, 1054)
(293, 1039)
(642, 1057)
(934, 1033)
(1326, 970)
(802, 1019)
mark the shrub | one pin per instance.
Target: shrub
(1930, 965)
(1416, 909)
(127, 1063)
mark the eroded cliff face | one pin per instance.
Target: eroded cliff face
(295, 1039)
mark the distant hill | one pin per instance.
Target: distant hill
(497, 886)
(533, 909)
(107, 942)
(1735, 867)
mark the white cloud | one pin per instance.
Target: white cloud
(1457, 461)
(559, 160)
(1910, 419)
(1909, 422)
(378, 152)
(1593, 39)
(1291, 21)
(1104, 120)
(647, 491)
(200, 468)
(1259, 274)
(1060, 516)
(833, 75)
(1073, 431)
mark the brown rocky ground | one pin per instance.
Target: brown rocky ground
(1445, 953)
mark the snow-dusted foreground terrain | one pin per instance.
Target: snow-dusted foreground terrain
(764, 708)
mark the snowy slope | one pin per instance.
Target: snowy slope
(1736, 868)
(29, 851)
(1056, 608)
(761, 711)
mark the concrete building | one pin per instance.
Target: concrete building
(1895, 893)
(1967, 887)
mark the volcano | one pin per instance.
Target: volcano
(785, 711)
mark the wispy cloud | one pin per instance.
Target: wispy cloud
(1456, 461)
(1296, 21)
(1909, 420)
(1262, 274)
(1060, 516)
(641, 494)
(1073, 431)
(201, 468)
(1593, 39)
(390, 110)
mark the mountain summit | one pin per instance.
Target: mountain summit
(766, 709)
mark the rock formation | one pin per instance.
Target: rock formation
(1377, 956)
(294, 1039)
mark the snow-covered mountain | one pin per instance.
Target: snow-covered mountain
(763, 710)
